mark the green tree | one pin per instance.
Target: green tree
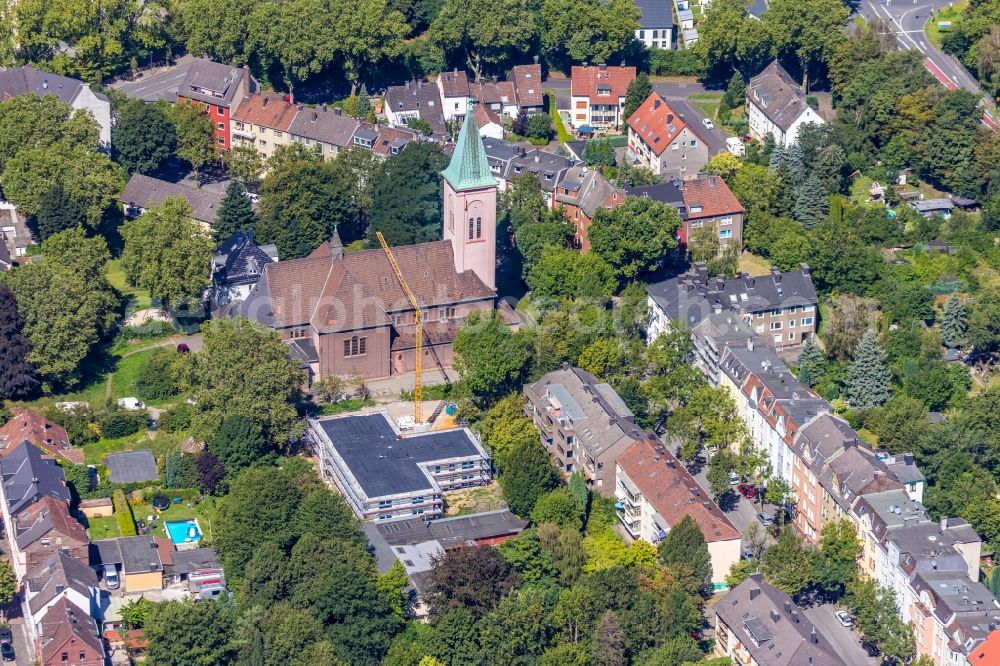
(609, 642)
(719, 467)
(473, 578)
(235, 212)
(244, 370)
(456, 638)
(954, 322)
(239, 444)
(135, 613)
(504, 427)
(540, 126)
(17, 375)
(244, 164)
(411, 214)
(812, 363)
(566, 273)
(877, 616)
(143, 136)
(463, 33)
(30, 121)
(167, 253)
(600, 152)
(811, 203)
(528, 476)
(518, 628)
(685, 546)
(57, 211)
(591, 31)
(638, 90)
(786, 564)
(868, 380)
(526, 555)
(809, 31)
(491, 359)
(191, 634)
(736, 91)
(559, 507)
(835, 561)
(194, 135)
(635, 237)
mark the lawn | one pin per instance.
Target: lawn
(102, 528)
(953, 14)
(473, 500)
(139, 299)
(204, 511)
(159, 444)
(127, 373)
(564, 136)
(753, 265)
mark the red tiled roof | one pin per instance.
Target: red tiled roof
(266, 112)
(58, 516)
(528, 84)
(485, 115)
(713, 195)
(165, 548)
(656, 123)
(454, 83)
(485, 92)
(29, 425)
(587, 80)
(672, 491)
(508, 96)
(987, 654)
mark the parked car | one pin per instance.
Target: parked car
(845, 618)
(765, 519)
(7, 651)
(111, 576)
(5, 635)
(748, 553)
(734, 478)
(747, 491)
(870, 649)
(707, 122)
(711, 450)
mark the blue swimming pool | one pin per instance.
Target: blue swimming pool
(183, 531)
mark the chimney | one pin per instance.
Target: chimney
(565, 365)
(754, 593)
(603, 66)
(805, 269)
(795, 616)
(711, 181)
(323, 106)
(656, 105)
(670, 119)
(338, 112)
(774, 616)
(246, 80)
(908, 458)
(813, 636)
(264, 103)
(750, 344)
(788, 606)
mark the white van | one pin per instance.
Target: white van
(736, 147)
(111, 576)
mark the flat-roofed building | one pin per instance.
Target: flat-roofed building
(384, 475)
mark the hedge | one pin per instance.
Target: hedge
(123, 513)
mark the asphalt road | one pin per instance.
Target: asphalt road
(162, 85)
(907, 19)
(844, 641)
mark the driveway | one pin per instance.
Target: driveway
(844, 642)
(715, 139)
(675, 90)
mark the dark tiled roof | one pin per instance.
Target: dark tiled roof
(775, 93)
(324, 124)
(57, 572)
(65, 624)
(22, 80)
(27, 477)
(48, 517)
(457, 530)
(772, 628)
(670, 193)
(131, 466)
(239, 260)
(206, 77)
(419, 96)
(145, 191)
(592, 189)
(655, 14)
(185, 561)
(454, 83)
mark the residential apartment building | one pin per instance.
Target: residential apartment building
(69, 637)
(326, 130)
(584, 424)
(508, 160)
(263, 122)
(218, 89)
(454, 89)
(756, 624)
(581, 192)
(656, 24)
(59, 577)
(709, 203)
(661, 141)
(77, 94)
(528, 92)
(776, 106)
(44, 528)
(654, 491)
(780, 305)
(386, 475)
(598, 96)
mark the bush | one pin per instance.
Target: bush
(156, 380)
(123, 514)
(675, 63)
(78, 423)
(175, 420)
(122, 423)
(148, 331)
(540, 127)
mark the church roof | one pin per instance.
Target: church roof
(469, 168)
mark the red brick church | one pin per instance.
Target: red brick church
(343, 312)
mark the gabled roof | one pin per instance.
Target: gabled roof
(601, 81)
(454, 83)
(671, 490)
(49, 518)
(486, 92)
(354, 290)
(239, 259)
(65, 624)
(145, 191)
(324, 124)
(592, 189)
(712, 195)
(528, 85)
(23, 80)
(28, 425)
(484, 115)
(469, 168)
(266, 111)
(391, 140)
(777, 96)
(421, 97)
(656, 123)
(131, 466)
(56, 573)
(27, 477)
(214, 82)
(988, 653)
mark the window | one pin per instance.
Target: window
(793, 309)
(791, 323)
(472, 228)
(673, 146)
(807, 308)
(777, 339)
(278, 134)
(456, 106)
(239, 126)
(297, 333)
(263, 143)
(760, 328)
(221, 126)
(221, 110)
(694, 143)
(448, 313)
(417, 500)
(656, 34)
(468, 464)
(726, 220)
(807, 321)
(355, 346)
(65, 656)
(791, 336)
(221, 141)
(759, 315)
(697, 209)
(775, 325)
(726, 233)
(642, 34)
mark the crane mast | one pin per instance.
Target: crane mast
(418, 366)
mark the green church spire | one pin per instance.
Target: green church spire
(469, 168)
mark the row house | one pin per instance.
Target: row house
(78, 95)
(263, 122)
(454, 90)
(597, 96)
(326, 130)
(143, 192)
(654, 491)
(218, 89)
(44, 528)
(661, 141)
(508, 160)
(27, 425)
(415, 99)
(584, 424)
(581, 193)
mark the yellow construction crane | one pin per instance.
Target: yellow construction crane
(417, 386)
